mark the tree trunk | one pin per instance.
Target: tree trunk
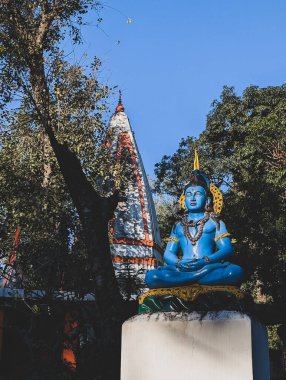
(47, 167)
(41, 100)
(94, 213)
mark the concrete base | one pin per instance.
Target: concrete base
(186, 346)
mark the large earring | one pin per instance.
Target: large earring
(207, 206)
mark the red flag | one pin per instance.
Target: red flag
(12, 257)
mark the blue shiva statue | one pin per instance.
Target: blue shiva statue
(201, 237)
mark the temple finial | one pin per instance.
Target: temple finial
(119, 107)
(196, 161)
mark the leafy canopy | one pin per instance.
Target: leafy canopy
(243, 150)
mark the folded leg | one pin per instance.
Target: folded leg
(230, 275)
(167, 278)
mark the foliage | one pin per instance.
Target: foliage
(165, 215)
(243, 150)
(47, 217)
(275, 342)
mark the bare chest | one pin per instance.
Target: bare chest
(206, 230)
(196, 242)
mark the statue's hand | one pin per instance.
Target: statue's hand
(191, 265)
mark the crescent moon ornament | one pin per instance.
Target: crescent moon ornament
(182, 201)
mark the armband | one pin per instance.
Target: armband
(207, 259)
(172, 239)
(221, 236)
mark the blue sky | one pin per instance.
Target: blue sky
(175, 56)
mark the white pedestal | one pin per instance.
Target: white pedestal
(184, 346)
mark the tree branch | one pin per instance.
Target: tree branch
(48, 16)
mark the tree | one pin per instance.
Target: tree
(50, 229)
(30, 59)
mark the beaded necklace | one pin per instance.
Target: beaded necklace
(191, 223)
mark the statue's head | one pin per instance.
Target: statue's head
(195, 198)
(199, 193)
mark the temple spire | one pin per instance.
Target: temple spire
(133, 231)
(119, 107)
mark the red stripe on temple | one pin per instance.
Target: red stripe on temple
(125, 141)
